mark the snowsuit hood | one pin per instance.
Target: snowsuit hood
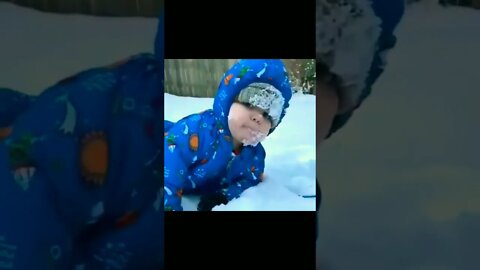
(370, 24)
(244, 73)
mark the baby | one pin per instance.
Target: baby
(218, 153)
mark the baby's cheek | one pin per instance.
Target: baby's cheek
(265, 128)
(237, 132)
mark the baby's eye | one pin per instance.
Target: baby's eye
(248, 105)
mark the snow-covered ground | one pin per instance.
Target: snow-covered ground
(290, 162)
(401, 182)
(49, 46)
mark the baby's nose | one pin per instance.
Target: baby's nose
(258, 118)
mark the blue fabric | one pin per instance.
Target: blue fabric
(390, 13)
(12, 104)
(198, 148)
(80, 182)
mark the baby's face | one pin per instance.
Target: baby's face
(248, 124)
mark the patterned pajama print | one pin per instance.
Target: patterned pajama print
(198, 148)
(80, 181)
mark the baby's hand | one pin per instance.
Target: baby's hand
(207, 202)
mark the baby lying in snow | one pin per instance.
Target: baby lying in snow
(217, 153)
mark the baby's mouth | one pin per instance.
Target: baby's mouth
(254, 137)
(251, 130)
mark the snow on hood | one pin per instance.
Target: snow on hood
(244, 73)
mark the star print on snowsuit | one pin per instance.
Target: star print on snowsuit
(198, 149)
(83, 161)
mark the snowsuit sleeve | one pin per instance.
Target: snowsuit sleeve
(179, 152)
(12, 104)
(252, 175)
(84, 103)
(75, 152)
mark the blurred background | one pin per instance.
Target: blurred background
(462, 3)
(143, 8)
(39, 48)
(401, 181)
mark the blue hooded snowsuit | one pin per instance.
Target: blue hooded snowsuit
(198, 148)
(80, 181)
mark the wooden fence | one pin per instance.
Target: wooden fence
(201, 77)
(194, 77)
(124, 8)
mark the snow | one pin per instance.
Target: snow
(401, 179)
(289, 165)
(50, 46)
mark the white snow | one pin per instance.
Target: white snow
(290, 161)
(50, 46)
(401, 179)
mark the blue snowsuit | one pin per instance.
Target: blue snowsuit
(198, 148)
(80, 181)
